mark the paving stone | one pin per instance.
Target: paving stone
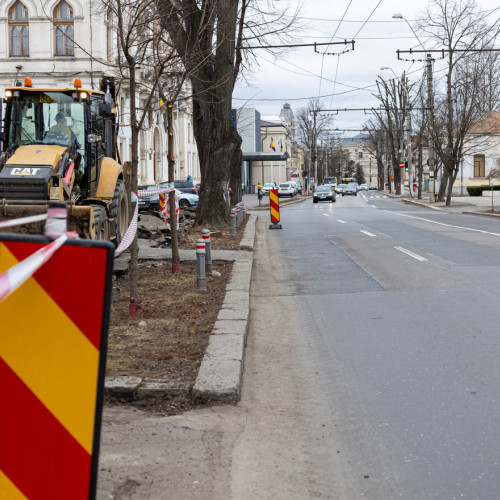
(122, 386)
(151, 388)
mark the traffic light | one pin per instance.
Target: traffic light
(406, 165)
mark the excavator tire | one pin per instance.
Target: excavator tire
(101, 228)
(118, 210)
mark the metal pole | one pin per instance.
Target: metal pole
(232, 223)
(430, 119)
(408, 142)
(208, 250)
(201, 278)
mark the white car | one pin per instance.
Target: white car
(268, 186)
(363, 187)
(286, 189)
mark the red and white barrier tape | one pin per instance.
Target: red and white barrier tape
(129, 235)
(22, 220)
(14, 277)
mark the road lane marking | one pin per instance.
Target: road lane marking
(328, 215)
(366, 232)
(372, 206)
(341, 221)
(411, 254)
(443, 223)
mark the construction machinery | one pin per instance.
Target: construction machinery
(60, 145)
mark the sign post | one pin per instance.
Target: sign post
(53, 343)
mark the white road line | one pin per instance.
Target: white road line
(328, 215)
(341, 221)
(411, 254)
(372, 206)
(443, 224)
(366, 232)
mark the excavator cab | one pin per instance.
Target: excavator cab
(58, 144)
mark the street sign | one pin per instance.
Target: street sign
(53, 343)
(401, 164)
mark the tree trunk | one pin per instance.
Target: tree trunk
(444, 185)
(449, 191)
(134, 249)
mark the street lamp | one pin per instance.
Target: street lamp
(400, 16)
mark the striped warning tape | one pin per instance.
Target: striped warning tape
(22, 220)
(129, 235)
(14, 277)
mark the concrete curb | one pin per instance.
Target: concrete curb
(219, 377)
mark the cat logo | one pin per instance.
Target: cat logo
(24, 171)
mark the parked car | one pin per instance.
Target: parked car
(148, 202)
(268, 186)
(286, 189)
(298, 186)
(295, 187)
(186, 200)
(363, 187)
(325, 192)
(340, 188)
(185, 186)
(350, 189)
(372, 187)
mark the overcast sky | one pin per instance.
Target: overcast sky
(343, 81)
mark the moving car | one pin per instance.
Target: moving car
(372, 187)
(350, 189)
(340, 188)
(286, 189)
(363, 187)
(268, 186)
(325, 192)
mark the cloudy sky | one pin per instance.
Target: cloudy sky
(346, 80)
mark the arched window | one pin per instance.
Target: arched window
(63, 24)
(18, 30)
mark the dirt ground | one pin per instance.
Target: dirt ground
(169, 341)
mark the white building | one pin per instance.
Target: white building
(56, 41)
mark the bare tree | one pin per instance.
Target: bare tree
(394, 96)
(375, 144)
(210, 37)
(463, 31)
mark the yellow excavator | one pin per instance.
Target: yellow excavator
(60, 145)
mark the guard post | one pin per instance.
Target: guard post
(274, 207)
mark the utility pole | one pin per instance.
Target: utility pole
(176, 260)
(314, 138)
(408, 152)
(430, 118)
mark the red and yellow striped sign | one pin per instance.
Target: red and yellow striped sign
(275, 205)
(53, 339)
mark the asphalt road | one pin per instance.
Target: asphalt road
(371, 369)
(406, 300)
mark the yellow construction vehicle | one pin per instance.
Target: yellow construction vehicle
(59, 145)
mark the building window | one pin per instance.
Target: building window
(18, 30)
(63, 23)
(360, 155)
(479, 165)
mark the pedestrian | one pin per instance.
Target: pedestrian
(259, 192)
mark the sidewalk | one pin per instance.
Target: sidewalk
(219, 377)
(469, 205)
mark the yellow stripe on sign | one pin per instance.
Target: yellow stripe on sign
(50, 355)
(9, 490)
(275, 214)
(273, 196)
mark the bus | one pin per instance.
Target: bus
(347, 180)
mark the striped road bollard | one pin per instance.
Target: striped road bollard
(55, 225)
(208, 251)
(232, 223)
(201, 278)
